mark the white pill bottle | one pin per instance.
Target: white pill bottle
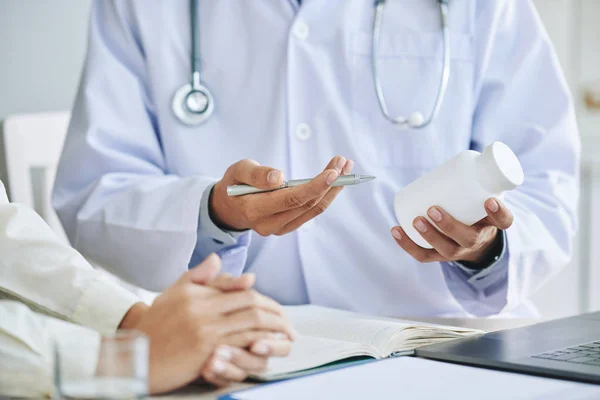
(460, 186)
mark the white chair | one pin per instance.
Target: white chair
(32, 147)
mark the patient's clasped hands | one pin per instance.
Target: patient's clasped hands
(211, 327)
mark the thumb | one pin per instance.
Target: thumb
(206, 271)
(252, 173)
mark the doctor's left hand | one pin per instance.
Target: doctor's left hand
(456, 241)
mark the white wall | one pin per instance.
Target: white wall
(42, 46)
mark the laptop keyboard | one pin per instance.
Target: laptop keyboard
(588, 354)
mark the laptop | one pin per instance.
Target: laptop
(567, 348)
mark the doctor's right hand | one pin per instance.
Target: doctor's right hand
(278, 212)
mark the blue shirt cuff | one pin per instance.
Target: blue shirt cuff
(214, 238)
(490, 276)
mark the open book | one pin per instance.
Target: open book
(328, 336)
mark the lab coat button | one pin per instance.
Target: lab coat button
(300, 30)
(303, 132)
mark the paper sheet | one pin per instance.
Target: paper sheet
(414, 378)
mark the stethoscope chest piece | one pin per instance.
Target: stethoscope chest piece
(193, 105)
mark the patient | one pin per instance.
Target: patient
(203, 326)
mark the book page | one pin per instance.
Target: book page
(311, 352)
(344, 326)
(387, 335)
(328, 335)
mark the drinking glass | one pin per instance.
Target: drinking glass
(117, 369)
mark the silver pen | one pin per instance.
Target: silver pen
(240, 190)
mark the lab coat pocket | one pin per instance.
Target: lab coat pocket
(410, 67)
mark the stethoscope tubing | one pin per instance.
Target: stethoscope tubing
(401, 121)
(183, 112)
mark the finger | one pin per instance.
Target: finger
(214, 379)
(414, 250)
(291, 220)
(320, 207)
(248, 362)
(231, 373)
(313, 212)
(302, 196)
(445, 246)
(255, 319)
(226, 303)
(271, 348)
(206, 271)
(222, 373)
(251, 173)
(295, 197)
(348, 167)
(466, 236)
(498, 214)
(227, 283)
(338, 163)
(248, 338)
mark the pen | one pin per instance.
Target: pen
(240, 190)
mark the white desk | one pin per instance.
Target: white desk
(205, 393)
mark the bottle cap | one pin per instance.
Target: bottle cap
(502, 168)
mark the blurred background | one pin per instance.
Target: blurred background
(43, 44)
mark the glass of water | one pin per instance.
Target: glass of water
(112, 367)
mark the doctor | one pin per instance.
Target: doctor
(175, 94)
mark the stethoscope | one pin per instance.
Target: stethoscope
(193, 103)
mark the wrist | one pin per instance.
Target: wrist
(133, 317)
(217, 208)
(488, 255)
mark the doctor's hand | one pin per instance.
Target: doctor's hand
(278, 212)
(456, 241)
(198, 331)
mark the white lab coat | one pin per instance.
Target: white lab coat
(40, 275)
(293, 87)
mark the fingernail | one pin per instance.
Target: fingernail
(340, 163)
(280, 336)
(218, 366)
(262, 349)
(273, 177)
(421, 227)
(396, 233)
(293, 334)
(349, 167)
(493, 205)
(224, 353)
(332, 176)
(435, 214)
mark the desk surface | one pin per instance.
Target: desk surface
(489, 325)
